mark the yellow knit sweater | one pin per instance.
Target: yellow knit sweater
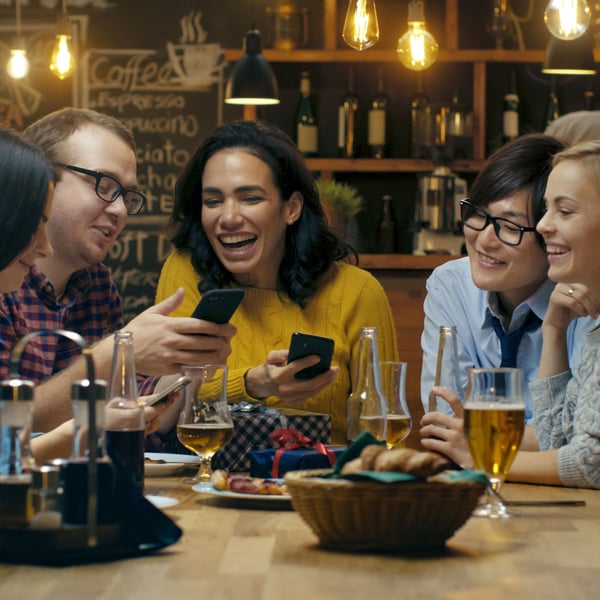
(351, 298)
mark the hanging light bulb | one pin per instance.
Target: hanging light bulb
(361, 28)
(567, 19)
(417, 48)
(62, 60)
(18, 65)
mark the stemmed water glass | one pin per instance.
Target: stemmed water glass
(393, 385)
(494, 426)
(205, 424)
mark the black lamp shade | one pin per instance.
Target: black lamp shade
(572, 57)
(252, 80)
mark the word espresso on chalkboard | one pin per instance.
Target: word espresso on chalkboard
(170, 101)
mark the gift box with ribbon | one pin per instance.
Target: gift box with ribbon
(253, 429)
(292, 451)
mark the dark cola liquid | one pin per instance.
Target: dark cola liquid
(75, 492)
(126, 448)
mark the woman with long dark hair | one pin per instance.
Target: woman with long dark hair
(247, 214)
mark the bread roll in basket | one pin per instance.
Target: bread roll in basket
(398, 513)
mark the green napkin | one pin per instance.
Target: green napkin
(365, 439)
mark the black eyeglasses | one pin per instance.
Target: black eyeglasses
(476, 218)
(109, 189)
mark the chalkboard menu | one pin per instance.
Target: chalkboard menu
(170, 98)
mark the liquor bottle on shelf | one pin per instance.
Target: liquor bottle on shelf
(307, 127)
(510, 112)
(367, 404)
(348, 133)
(552, 110)
(387, 228)
(124, 412)
(378, 120)
(420, 123)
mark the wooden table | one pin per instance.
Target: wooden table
(247, 554)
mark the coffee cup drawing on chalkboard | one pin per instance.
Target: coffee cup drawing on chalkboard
(195, 63)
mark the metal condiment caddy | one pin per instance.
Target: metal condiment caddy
(53, 541)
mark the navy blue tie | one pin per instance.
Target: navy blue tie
(510, 341)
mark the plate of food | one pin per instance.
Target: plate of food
(244, 488)
(159, 464)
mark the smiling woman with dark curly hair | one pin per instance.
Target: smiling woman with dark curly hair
(247, 214)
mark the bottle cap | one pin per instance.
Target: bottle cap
(16, 389)
(46, 477)
(80, 389)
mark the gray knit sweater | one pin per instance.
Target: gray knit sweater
(566, 415)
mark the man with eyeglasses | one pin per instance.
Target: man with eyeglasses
(497, 296)
(96, 190)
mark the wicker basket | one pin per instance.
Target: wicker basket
(368, 515)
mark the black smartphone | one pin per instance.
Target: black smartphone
(305, 344)
(218, 306)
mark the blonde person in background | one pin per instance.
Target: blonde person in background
(247, 214)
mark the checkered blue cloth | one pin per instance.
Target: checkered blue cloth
(252, 431)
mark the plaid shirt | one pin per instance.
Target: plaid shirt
(90, 306)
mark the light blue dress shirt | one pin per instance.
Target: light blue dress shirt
(453, 299)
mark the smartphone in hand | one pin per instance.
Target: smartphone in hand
(304, 344)
(218, 306)
(158, 397)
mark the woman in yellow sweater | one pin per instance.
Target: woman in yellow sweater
(247, 214)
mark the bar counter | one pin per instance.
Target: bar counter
(232, 551)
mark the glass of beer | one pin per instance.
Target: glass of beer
(393, 385)
(494, 426)
(205, 424)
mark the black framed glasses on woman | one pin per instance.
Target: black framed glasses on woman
(110, 189)
(507, 231)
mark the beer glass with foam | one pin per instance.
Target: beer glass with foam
(494, 426)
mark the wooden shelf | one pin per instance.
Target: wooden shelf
(403, 262)
(387, 165)
(370, 56)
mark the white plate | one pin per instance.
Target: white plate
(207, 488)
(172, 465)
(162, 501)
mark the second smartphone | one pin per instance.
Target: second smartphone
(218, 306)
(305, 344)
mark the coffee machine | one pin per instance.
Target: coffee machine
(437, 209)
(437, 213)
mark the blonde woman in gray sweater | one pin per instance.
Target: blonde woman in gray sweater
(566, 404)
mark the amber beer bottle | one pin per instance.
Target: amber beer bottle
(367, 405)
(124, 412)
(387, 228)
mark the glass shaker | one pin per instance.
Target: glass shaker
(367, 404)
(16, 462)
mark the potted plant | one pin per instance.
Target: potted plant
(341, 202)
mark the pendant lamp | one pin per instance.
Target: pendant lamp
(570, 57)
(252, 80)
